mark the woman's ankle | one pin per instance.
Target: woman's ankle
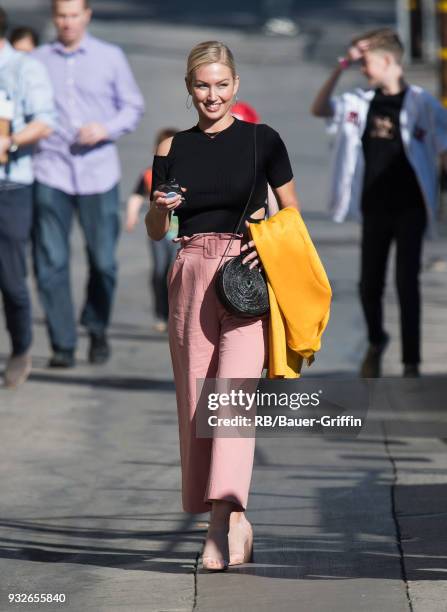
(237, 518)
(221, 512)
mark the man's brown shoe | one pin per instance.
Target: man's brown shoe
(17, 370)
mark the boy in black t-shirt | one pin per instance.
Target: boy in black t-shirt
(385, 168)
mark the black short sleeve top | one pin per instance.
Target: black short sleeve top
(218, 174)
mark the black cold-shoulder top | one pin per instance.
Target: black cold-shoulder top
(218, 174)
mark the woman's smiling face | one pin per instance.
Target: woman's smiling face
(213, 89)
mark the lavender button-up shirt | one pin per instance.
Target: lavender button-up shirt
(92, 84)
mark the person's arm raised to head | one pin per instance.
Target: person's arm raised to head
(321, 106)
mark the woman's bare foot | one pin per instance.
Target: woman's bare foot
(215, 553)
(240, 539)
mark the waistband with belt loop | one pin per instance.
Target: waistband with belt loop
(212, 245)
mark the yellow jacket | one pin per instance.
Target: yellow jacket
(299, 291)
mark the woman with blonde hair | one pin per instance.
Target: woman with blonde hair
(218, 163)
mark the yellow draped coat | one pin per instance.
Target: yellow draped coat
(299, 291)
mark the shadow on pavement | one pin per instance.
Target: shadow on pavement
(250, 13)
(347, 546)
(120, 331)
(233, 14)
(127, 383)
(160, 553)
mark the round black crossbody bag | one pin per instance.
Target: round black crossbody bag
(242, 291)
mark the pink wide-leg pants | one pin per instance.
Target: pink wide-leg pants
(208, 342)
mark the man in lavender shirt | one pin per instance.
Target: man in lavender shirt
(77, 172)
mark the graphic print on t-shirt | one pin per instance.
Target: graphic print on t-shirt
(382, 127)
(389, 183)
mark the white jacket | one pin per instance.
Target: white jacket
(423, 124)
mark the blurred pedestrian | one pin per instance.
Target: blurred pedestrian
(26, 115)
(214, 163)
(164, 250)
(245, 112)
(24, 39)
(77, 171)
(385, 166)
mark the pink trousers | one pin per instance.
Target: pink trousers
(208, 342)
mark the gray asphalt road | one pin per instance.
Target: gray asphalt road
(89, 458)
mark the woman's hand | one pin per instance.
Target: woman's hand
(162, 203)
(158, 217)
(252, 258)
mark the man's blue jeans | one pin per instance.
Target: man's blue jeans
(98, 216)
(15, 226)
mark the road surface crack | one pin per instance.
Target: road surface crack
(395, 519)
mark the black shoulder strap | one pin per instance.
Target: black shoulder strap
(236, 229)
(255, 157)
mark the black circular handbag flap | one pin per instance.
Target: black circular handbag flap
(242, 291)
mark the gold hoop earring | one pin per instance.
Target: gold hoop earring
(188, 102)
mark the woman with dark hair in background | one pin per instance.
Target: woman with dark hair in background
(164, 250)
(24, 39)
